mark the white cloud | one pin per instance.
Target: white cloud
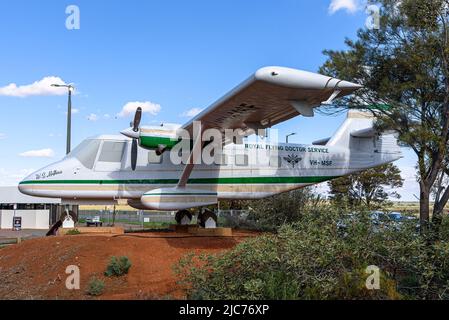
(147, 107)
(92, 117)
(74, 111)
(38, 88)
(107, 116)
(350, 6)
(410, 189)
(43, 153)
(191, 113)
(2, 136)
(8, 178)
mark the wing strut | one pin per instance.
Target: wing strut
(195, 155)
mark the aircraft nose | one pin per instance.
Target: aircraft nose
(22, 188)
(25, 185)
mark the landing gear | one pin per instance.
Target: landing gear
(71, 214)
(54, 228)
(183, 217)
(207, 219)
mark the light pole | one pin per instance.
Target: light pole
(70, 88)
(289, 135)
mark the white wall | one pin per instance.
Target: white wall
(6, 219)
(31, 219)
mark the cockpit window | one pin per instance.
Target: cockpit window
(86, 152)
(112, 151)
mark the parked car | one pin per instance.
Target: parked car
(94, 221)
(379, 221)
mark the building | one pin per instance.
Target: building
(36, 213)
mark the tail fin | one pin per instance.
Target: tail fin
(358, 134)
(355, 121)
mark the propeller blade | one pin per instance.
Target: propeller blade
(134, 155)
(137, 118)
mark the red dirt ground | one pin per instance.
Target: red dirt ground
(35, 269)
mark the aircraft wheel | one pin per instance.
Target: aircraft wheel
(205, 216)
(183, 217)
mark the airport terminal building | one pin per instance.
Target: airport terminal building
(35, 213)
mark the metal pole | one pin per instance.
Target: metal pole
(69, 120)
(14, 215)
(287, 136)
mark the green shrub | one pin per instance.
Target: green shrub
(118, 266)
(73, 232)
(313, 259)
(95, 287)
(271, 213)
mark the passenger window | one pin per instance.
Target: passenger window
(275, 162)
(221, 159)
(112, 151)
(241, 160)
(153, 158)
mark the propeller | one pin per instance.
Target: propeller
(137, 118)
(133, 133)
(136, 124)
(134, 155)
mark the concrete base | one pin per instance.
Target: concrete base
(195, 230)
(181, 228)
(93, 230)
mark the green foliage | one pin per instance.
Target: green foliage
(367, 188)
(73, 232)
(314, 259)
(118, 266)
(273, 212)
(95, 287)
(270, 213)
(405, 65)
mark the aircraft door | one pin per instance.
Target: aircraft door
(241, 169)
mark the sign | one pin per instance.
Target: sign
(17, 223)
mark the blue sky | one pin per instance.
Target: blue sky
(174, 55)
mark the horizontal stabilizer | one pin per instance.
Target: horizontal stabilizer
(321, 142)
(364, 133)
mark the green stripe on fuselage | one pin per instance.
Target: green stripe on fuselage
(245, 180)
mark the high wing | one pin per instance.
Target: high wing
(270, 96)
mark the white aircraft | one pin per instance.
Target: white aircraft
(138, 168)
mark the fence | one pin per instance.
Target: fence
(236, 219)
(138, 220)
(130, 220)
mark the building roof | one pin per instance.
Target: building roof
(11, 195)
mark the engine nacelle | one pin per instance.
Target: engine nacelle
(158, 139)
(172, 199)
